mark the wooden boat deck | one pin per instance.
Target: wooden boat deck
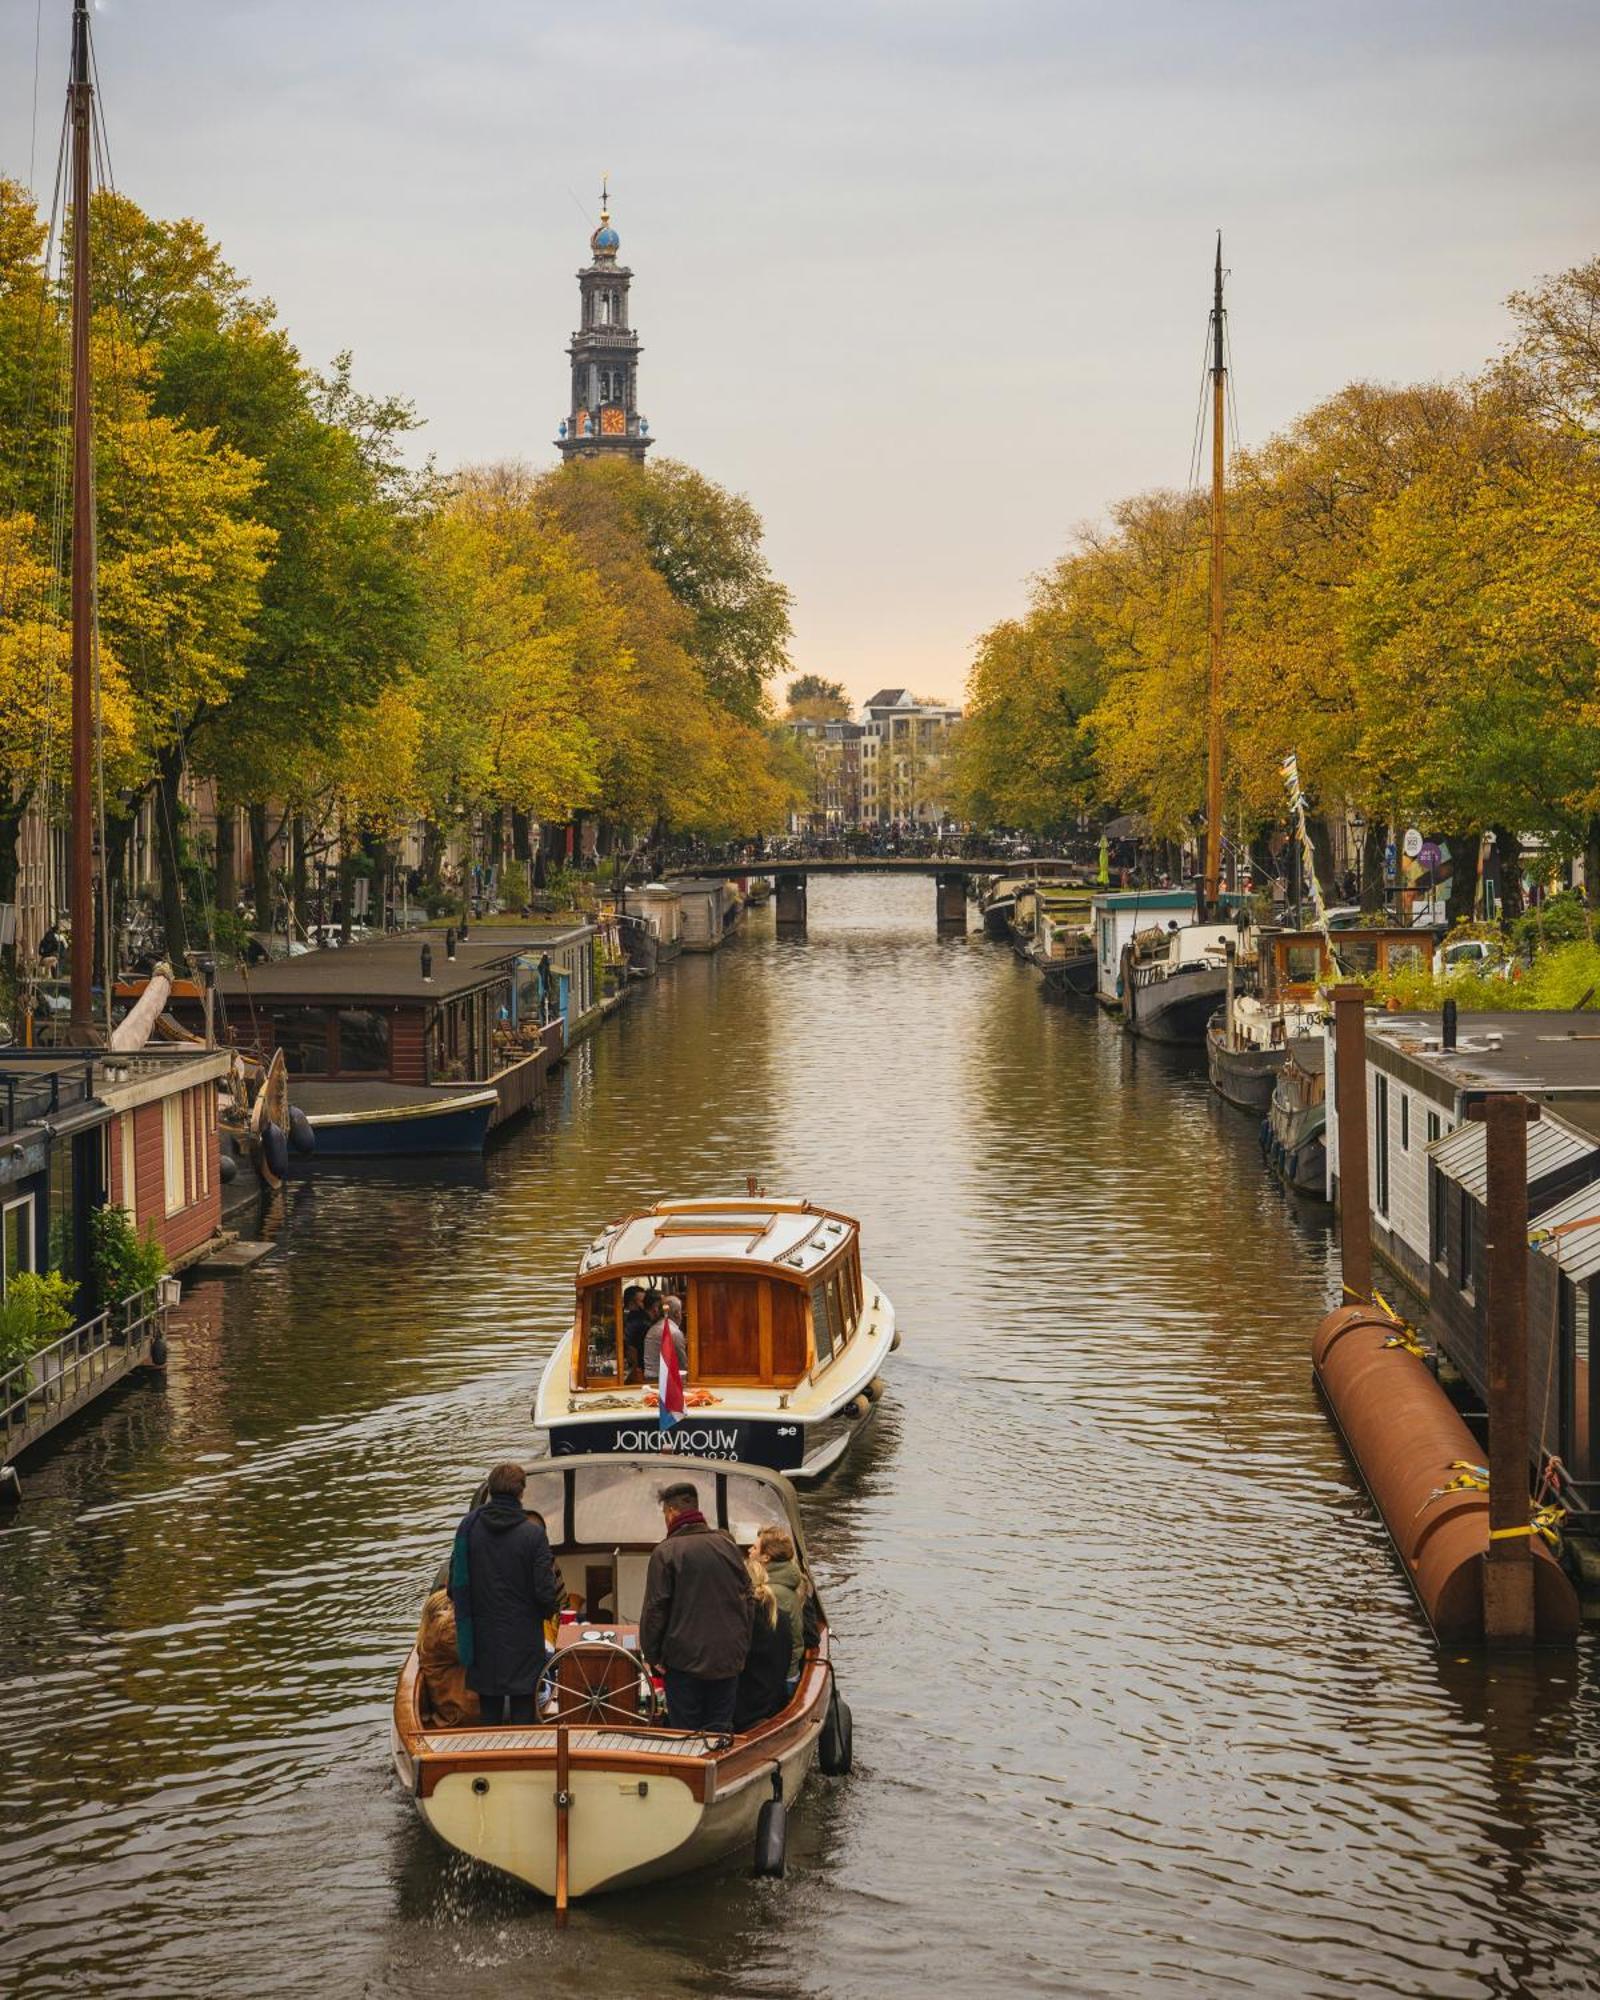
(664, 1742)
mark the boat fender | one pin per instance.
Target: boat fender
(835, 1746)
(275, 1148)
(772, 1832)
(858, 1407)
(875, 1387)
(227, 1168)
(158, 1351)
(302, 1135)
(10, 1486)
(895, 1343)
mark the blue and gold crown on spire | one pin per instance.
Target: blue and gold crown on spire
(605, 242)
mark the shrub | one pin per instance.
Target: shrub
(1564, 977)
(37, 1309)
(1560, 920)
(124, 1263)
(514, 887)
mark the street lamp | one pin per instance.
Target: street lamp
(1358, 829)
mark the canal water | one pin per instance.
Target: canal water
(1141, 1702)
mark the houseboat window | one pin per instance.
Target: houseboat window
(1464, 1269)
(18, 1239)
(172, 1152)
(1302, 963)
(727, 1322)
(843, 1319)
(1380, 1134)
(1358, 956)
(363, 1041)
(1405, 1121)
(1437, 1210)
(788, 1333)
(1402, 957)
(303, 1037)
(601, 1347)
(1433, 1126)
(821, 1325)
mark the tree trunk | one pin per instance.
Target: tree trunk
(1509, 851)
(347, 884)
(1463, 877)
(1374, 842)
(12, 809)
(298, 872)
(521, 849)
(227, 860)
(169, 850)
(260, 870)
(1591, 862)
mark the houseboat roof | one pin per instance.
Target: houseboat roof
(1569, 1231)
(1145, 899)
(1462, 1155)
(782, 1235)
(1555, 1054)
(390, 968)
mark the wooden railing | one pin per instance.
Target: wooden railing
(60, 1379)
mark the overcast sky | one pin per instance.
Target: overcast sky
(927, 279)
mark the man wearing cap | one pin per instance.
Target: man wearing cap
(695, 1625)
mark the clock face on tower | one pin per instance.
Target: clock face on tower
(613, 421)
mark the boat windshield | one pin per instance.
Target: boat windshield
(616, 1503)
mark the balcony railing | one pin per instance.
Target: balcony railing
(60, 1379)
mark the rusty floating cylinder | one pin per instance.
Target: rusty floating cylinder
(1411, 1446)
(1508, 1580)
(1350, 1104)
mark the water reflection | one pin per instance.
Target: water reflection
(1142, 1703)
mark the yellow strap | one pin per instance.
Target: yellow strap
(1509, 1534)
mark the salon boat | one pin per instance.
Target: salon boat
(601, 1793)
(786, 1337)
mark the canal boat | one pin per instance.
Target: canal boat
(1294, 1131)
(601, 1794)
(1173, 980)
(997, 904)
(1063, 946)
(786, 1337)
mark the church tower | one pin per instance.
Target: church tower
(604, 419)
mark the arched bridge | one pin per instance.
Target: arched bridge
(952, 878)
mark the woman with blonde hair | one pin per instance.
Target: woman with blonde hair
(763, 1685)
(447, 1700)
(790, 1585)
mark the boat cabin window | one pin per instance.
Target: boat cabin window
(1302, 964)
(1358, 956)
(788, 1333)
(1402, 957)
(303, 1037)
(822, 1326)
(602, 1335)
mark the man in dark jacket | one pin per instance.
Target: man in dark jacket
(695, 1625)
(503, 1584)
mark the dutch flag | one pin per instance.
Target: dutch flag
(669, 1385)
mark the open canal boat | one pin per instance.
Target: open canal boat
(786, 1336)
(601, 1793)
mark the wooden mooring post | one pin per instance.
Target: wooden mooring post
(1508, 1581)
(1350, 1106)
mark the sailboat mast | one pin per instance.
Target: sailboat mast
(1219, 376)
(82, 848)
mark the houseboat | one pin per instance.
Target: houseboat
(659, 905)
(1114, 917)
(600, 1793)
(1062, 950)
(997, 904)
(786, 1336)
(1173, 978)
(422, 1044)
(1294, 1131)
(710, 909)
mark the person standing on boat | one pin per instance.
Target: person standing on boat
(666, 1317)
(635, 1325)
(696, 1622)
(503, 1585)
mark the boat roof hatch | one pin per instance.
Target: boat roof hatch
(786, 1235)
(611, 1498)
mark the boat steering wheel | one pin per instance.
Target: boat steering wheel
(580, 1685)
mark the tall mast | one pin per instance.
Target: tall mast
(82, 879)
(1212, 887)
